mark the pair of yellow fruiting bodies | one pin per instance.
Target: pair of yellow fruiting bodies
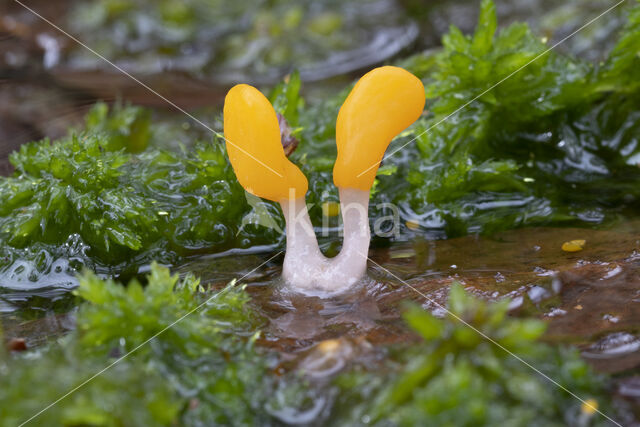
(382, 104)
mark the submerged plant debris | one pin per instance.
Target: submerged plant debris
(201, 370)
(206, 369)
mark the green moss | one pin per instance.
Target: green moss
(191, 359)
(621, 72)
(514, 135)
(200, 370)
(455, 376)
(128, 127)
(132, 393)
(286, 98)
(128, 209)
(257, 39)
(518, 135)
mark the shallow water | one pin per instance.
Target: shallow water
(587, 297)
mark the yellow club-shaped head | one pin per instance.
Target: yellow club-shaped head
(255, 151)
(383, 103)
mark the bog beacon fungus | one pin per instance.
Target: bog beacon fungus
(382, 104)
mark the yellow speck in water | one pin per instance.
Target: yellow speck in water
(329, 346)
(589, 406)
(330, 209)
(573, 245)
(412, 224)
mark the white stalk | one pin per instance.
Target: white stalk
(305, 267)
(303, 260)
(350, 264)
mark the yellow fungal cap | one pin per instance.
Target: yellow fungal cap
(383, 103)
(255, 151)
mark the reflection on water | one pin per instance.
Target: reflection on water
(23, 275)
(588, 297)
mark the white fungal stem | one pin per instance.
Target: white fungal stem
(352, 259)
(305, 267)
(303, 259)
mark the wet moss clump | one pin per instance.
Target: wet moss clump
(456, 376)
(519, 135)
(201, 370)
(514, 135)
(125, 209)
